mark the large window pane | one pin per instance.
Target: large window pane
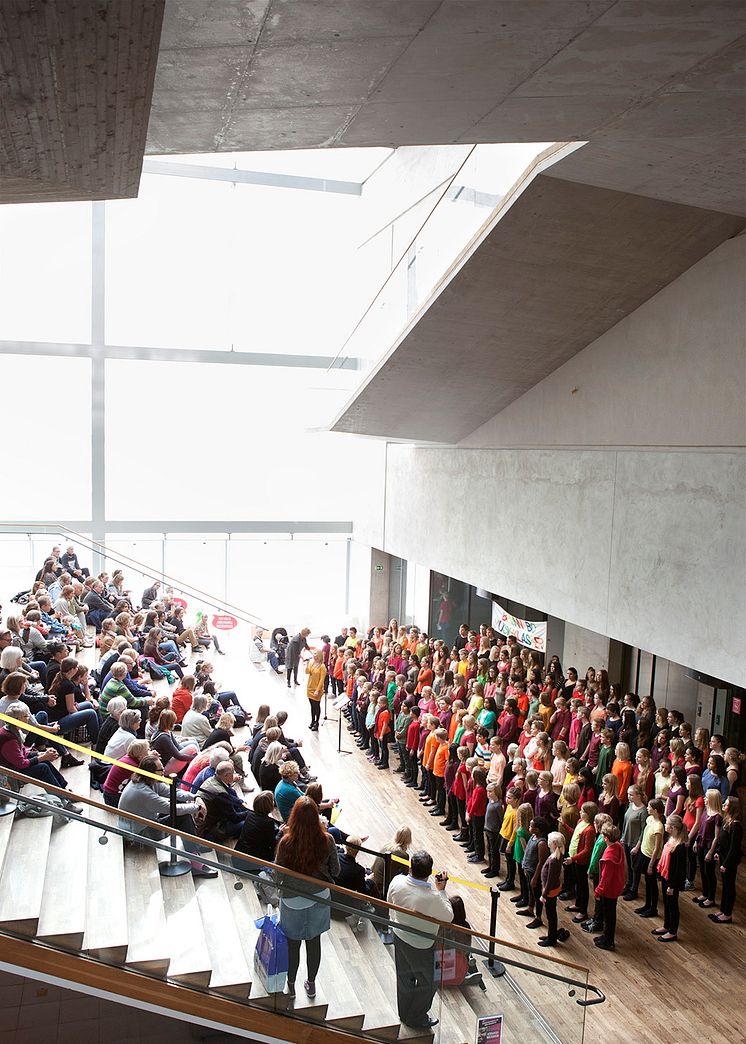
(170, 250)
(261, 572)
(47, 430)
(140, 557)
(198, 562)
(243, 434)
(45, 272)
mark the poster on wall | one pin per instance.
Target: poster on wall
(531, 633)
(489, 1029)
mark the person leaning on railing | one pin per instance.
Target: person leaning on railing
(14, 754)
(149, 799)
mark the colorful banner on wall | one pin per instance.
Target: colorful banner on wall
(532, 634)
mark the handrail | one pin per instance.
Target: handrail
(52, 737)
(97, 547)
(216, 603)
(348, 909)
(255, 861)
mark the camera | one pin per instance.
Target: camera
(441, 876)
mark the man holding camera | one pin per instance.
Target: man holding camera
(414, 948)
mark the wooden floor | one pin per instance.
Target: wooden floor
(654, 992)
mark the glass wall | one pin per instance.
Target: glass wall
(243, 435)
(45, 272)
(46, 431)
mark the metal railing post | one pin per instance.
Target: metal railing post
(494, 967)
(173, 867)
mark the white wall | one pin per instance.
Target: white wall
(622, 512)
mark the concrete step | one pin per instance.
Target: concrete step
(22, 876)
(147, 948)
(186, 943)
(246, 909)
(363, 956)
(64, 903)
(106, 932)
(231, 974)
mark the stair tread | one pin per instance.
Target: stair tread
(22, 876)
(366, 956)
(246, 908)
(63, 909)
(344, 1003)
(227, 958)
(146, 919)
(106, 907)
(6, 826)
(186, 938)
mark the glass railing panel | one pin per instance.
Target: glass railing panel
(178, 909)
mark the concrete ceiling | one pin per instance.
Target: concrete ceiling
(657, 86)
(565, 264)
(77, 79)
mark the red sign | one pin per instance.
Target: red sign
(224, 622)
(736, 705)
(180, 602)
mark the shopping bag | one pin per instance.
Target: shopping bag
(271, 954)
(451, 966)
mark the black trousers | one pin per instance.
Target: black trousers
(313, 957)
(670, 909)
(550, 905)
(524, 886)
(384, 744)
(440, 795)
(414, 767)
(728, 896)
(477, 825)
(415, 986)
(581, 888)
(292, 669)
(608, 913)
(492, 839)
(691, 862)
(708, 872)
(651, 889)
(509, 861)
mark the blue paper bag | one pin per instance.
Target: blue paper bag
(271, 954)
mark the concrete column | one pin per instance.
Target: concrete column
(380, 571)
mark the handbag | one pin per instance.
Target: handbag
(271, 954)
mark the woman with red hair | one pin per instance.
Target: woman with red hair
(308, 849)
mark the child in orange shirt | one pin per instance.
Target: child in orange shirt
(439, 770)
(428, 759)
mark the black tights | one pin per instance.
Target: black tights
(313, 957)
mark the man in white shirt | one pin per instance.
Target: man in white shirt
(413, 950)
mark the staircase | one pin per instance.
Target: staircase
(60, 885)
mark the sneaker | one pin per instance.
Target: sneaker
(310, 987)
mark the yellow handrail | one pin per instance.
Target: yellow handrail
(51, 736)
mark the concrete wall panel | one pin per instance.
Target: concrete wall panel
(537, 526)
(678, 561)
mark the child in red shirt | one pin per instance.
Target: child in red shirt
(476, 808)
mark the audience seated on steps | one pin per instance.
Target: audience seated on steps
(225, 811)
(118, 776)
(195, 724)
(31, 761)
(129, 726)
(150, 799)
